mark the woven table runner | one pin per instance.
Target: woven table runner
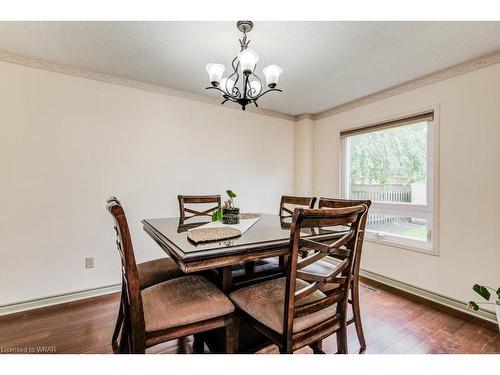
(247, 215)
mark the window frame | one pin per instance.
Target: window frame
(429, 212)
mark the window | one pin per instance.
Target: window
(392, 164)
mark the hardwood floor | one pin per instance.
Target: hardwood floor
(394, 322)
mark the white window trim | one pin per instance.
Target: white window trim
(429, 212)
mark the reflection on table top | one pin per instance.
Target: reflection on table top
(269, 232)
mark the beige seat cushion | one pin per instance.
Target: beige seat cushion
(265, 303)
(182, 301)
(156, 271)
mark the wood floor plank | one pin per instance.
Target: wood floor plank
(393, 321)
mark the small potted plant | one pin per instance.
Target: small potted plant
(228, 214)
(484, 291)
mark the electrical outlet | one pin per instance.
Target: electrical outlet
(89, 262)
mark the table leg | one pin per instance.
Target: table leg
(227, 280)
(250, 267)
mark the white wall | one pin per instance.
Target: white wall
(68, 143)
(469, 183)
(303, 155)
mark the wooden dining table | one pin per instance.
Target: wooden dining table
(268, 238)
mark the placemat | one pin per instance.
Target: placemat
(215, 230)
(198, 235)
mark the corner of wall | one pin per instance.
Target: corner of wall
(303, 154)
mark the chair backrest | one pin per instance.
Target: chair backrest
(287, 212)
(197, 199)
(298, 303)
(339, 203)
(132, 301)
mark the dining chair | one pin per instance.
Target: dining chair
(182, 306)
(354, 286)
(287, 204)
(293, 311)
(197, 199)
(287, 200)
(149, 273)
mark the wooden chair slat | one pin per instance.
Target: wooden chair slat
(311, 259)
(326, 248)
(200, 213)
(309, 276)
(316, 333)
(304, 292)
(196, 199)
(317, 305)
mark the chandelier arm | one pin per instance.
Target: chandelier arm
(265, 92)
(235, 90)
(250, 89)
(222, 91)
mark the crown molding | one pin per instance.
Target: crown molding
(455, 70)
(466, 67)
(121, 81)
(304, 116)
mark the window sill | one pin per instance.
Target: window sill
(423, 249)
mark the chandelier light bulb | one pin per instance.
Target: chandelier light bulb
(215, 72)
(248, 59)
(272, 74)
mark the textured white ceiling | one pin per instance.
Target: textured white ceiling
(325, 63)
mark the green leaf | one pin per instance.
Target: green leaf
(230, 194)
(473, 306)
(217, 215)
(482, 291)
(498, 293)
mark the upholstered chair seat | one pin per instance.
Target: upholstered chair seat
(182, 301)
(265, 303)
(157, 271)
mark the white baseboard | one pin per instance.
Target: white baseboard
(57, 299)
(431, 296)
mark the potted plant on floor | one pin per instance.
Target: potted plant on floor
(484, 291)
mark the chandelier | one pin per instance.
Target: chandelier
(247, 90)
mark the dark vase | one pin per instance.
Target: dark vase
(231, 215)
